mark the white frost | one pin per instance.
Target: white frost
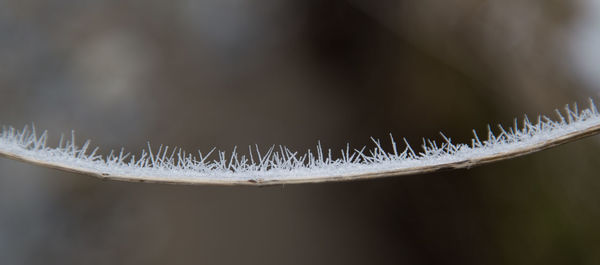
(281, 165)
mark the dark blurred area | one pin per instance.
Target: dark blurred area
(222, 73)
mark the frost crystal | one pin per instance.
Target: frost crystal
(282, 165)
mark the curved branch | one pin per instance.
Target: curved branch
(284, 166)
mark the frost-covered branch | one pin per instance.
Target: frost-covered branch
(283, 166)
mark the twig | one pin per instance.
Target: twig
(283, 166)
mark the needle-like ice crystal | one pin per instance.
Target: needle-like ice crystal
(280, 165)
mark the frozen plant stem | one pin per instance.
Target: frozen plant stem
(283, 166)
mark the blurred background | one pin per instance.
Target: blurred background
(222, 73)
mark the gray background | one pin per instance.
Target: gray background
(222, 73)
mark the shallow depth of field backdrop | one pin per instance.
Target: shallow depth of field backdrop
(199, 74)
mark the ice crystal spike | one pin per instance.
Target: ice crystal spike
(284, 166)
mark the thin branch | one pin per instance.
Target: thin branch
(285, 166)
